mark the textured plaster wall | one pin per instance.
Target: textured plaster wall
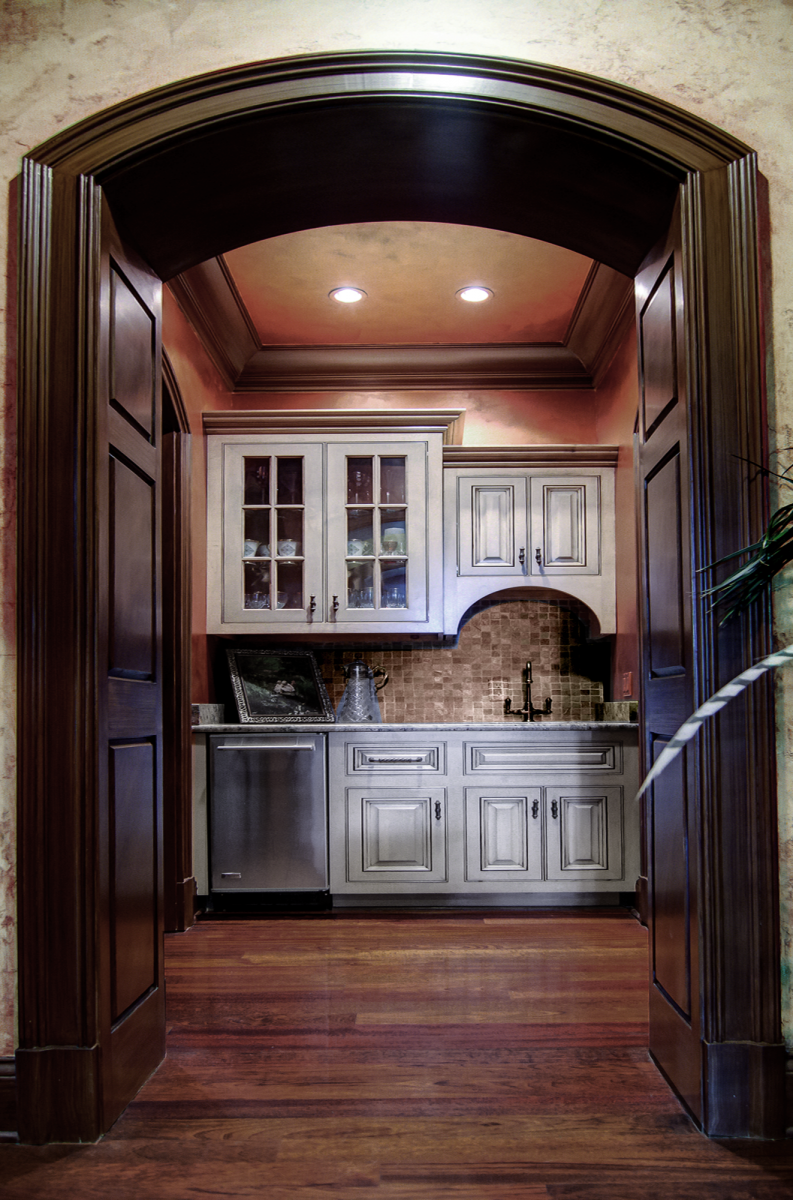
(725, 60)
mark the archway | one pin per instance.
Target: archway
(193, 169)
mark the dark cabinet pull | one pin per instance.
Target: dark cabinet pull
(312, 608)
(535, 809)
(554, 809)
(335, 606)
(437, 810)
(522, 556)
(538, 557)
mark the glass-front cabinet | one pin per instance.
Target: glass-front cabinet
(377, 539)
(310, 536)
(272, 547)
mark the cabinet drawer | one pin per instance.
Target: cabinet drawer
(406, 758)
(541, 754)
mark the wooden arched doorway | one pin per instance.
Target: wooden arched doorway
(195, 168)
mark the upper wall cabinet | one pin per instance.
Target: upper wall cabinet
(537, 517)
(323, 522)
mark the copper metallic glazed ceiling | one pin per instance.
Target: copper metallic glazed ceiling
(410, 271)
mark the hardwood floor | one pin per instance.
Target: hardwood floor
(406, 1057)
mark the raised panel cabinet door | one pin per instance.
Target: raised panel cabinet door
(565, 525)
(378, 568)
(269, 543)
(492, 528)
(584, 834)
(503, 834)
(396, 835)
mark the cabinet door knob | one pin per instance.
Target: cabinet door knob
(437, 810)
(554, 809)
(522, 558)
(312, 608)
(335, 606)
(535, 809)
(538, 556)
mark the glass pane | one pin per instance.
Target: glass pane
(360, 592)
(359, 531)
(393, 533)
(289, 593)
(392, 480)
(289, 523)
(393, 592)
(359, 480)
(290, 481)
(257, 480)
(257, 585)
(257, 533)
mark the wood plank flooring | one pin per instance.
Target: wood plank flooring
(406, 1057)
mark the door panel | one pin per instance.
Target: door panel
(671, 942)
(133, 351)
(663, 536)
(134, 915)
(132, 529)
(667, 676)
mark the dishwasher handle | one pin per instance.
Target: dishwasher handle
(271, 746)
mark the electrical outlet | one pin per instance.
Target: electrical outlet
(627, 685)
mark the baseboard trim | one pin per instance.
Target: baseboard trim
(745, 1086)
(8, 1099)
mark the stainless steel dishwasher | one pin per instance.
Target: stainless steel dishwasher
(268, 813)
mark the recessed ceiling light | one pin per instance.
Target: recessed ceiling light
(474, 295)
(347, 295)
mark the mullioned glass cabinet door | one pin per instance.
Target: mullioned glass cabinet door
(272, 534)
(377, 536)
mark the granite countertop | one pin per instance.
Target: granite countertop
(530, 727)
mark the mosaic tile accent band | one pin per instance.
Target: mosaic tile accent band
(470, 681)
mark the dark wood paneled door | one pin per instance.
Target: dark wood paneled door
(129, 710)
(670, 832)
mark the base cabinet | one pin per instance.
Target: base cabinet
(495, 811)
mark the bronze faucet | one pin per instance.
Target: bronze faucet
(528, 712)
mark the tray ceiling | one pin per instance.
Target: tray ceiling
(265, 316)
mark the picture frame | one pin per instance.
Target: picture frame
(281, 686)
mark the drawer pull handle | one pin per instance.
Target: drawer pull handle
(538, 557)
(437, 810)
(231, 875)
(554, 809)
(535, 809)
(312, 608)
(400, 758)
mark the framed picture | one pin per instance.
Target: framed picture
(278, 685)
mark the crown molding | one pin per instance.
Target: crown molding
(448, 421)
(530, 456)
(209, 299)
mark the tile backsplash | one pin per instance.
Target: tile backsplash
(471, 680)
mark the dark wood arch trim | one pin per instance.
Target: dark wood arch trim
(501, 118)
(179, 886)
